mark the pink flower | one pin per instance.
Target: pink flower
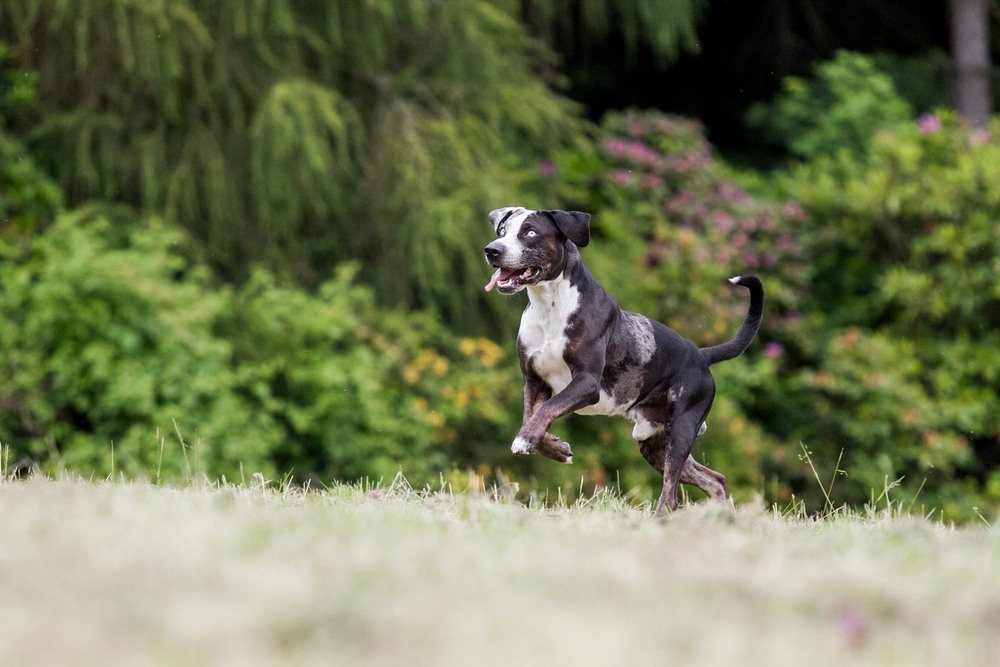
(640, 152)
(723, 221)
(787, 244)
(547, 168)
(632, 150)
(652, 181)
(621, 178)
(774, 350)
(675, 164)
(733, 194)
(929, 123)
(979, 137)
(794, 211)
(853, 626)
(683, 197)
(615, 145)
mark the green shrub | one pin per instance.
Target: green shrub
(28, 198)
(109, 338)
(273, 130)
(359, 391)
(880, 345)
(901, 354)
(838, 110)
(115, 340)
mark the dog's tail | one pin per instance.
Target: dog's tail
(741, 341)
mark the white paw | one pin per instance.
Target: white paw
(520, 446)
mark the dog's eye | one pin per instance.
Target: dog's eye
(501, 230)
(530, 233)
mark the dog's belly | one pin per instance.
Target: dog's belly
(606, 405)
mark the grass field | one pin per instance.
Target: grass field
(106, 573)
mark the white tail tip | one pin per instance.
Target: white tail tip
(735, 279)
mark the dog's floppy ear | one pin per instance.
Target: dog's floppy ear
(574, 225)
(499, 215)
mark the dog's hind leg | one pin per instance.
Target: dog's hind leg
(666, 435)
(713, 483)
(684, 427)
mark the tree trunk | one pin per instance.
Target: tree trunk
(970, 48)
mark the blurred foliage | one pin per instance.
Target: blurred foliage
(879, 359)
(902, 365)
(358, 391)
(277, 131)
(28, 197)
(123, 349)
(663, 27)
(108, 338)
(837, 110)
(117, 343)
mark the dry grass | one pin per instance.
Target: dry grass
(136, 574)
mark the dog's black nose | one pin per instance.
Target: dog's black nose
(492, 252)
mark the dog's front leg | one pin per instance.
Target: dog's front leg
(583, 390)
(536, 392)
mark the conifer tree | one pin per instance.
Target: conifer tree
(300, 133)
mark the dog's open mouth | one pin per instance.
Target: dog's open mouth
(510, 280)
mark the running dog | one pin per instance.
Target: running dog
(579, 352)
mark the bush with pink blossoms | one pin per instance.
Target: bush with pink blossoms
(880, 343)
(656, 178)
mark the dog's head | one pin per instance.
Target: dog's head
(532, 246)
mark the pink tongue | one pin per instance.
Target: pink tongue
(493, 280)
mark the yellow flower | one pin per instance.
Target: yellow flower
(491, 352)
(488, 352)
(467, 346)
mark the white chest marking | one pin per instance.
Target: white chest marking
(543, 329)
